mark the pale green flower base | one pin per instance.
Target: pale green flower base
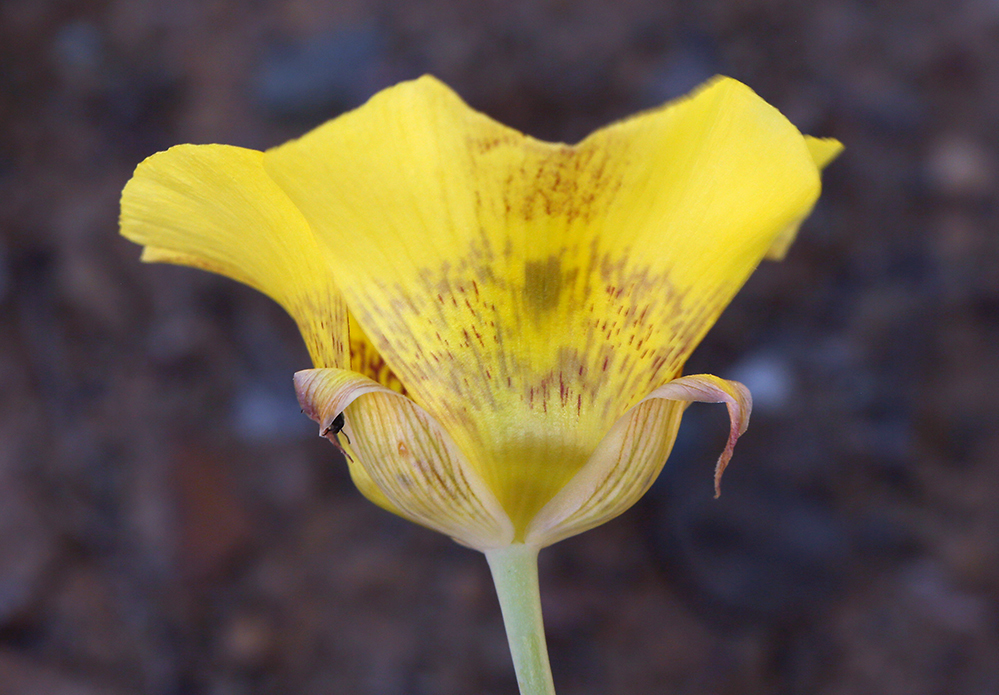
(515, 574)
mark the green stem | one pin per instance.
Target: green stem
(515, 574)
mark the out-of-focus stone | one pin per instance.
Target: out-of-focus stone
(763, 555)
(21, 676)
(176, 336)
(770, 379)
(913, 632)
(265, 415)
(4, 261)
(213, 521)
(321, 77)
(87, 287)
(85, 625)
(248, 640)
(691, 62)
(27, 549)
(959, 167)
(78, 54)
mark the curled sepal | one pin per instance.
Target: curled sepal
(631, 455)
(707, 388)
(407, 457)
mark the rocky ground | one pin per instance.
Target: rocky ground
(170, 523)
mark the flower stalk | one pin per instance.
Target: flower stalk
(515, 574)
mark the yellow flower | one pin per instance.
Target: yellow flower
(498, 324)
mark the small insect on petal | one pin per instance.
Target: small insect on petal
(335, 428)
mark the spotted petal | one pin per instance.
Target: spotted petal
(528, 293)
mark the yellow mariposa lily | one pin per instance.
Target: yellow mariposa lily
(497, 324)
(501, 321)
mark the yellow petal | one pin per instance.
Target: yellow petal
(633, 453)
(823, 152)
(364, 359)
(214, 207)
(528, 293)
(404, 460)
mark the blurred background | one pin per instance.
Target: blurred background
(171, 524)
